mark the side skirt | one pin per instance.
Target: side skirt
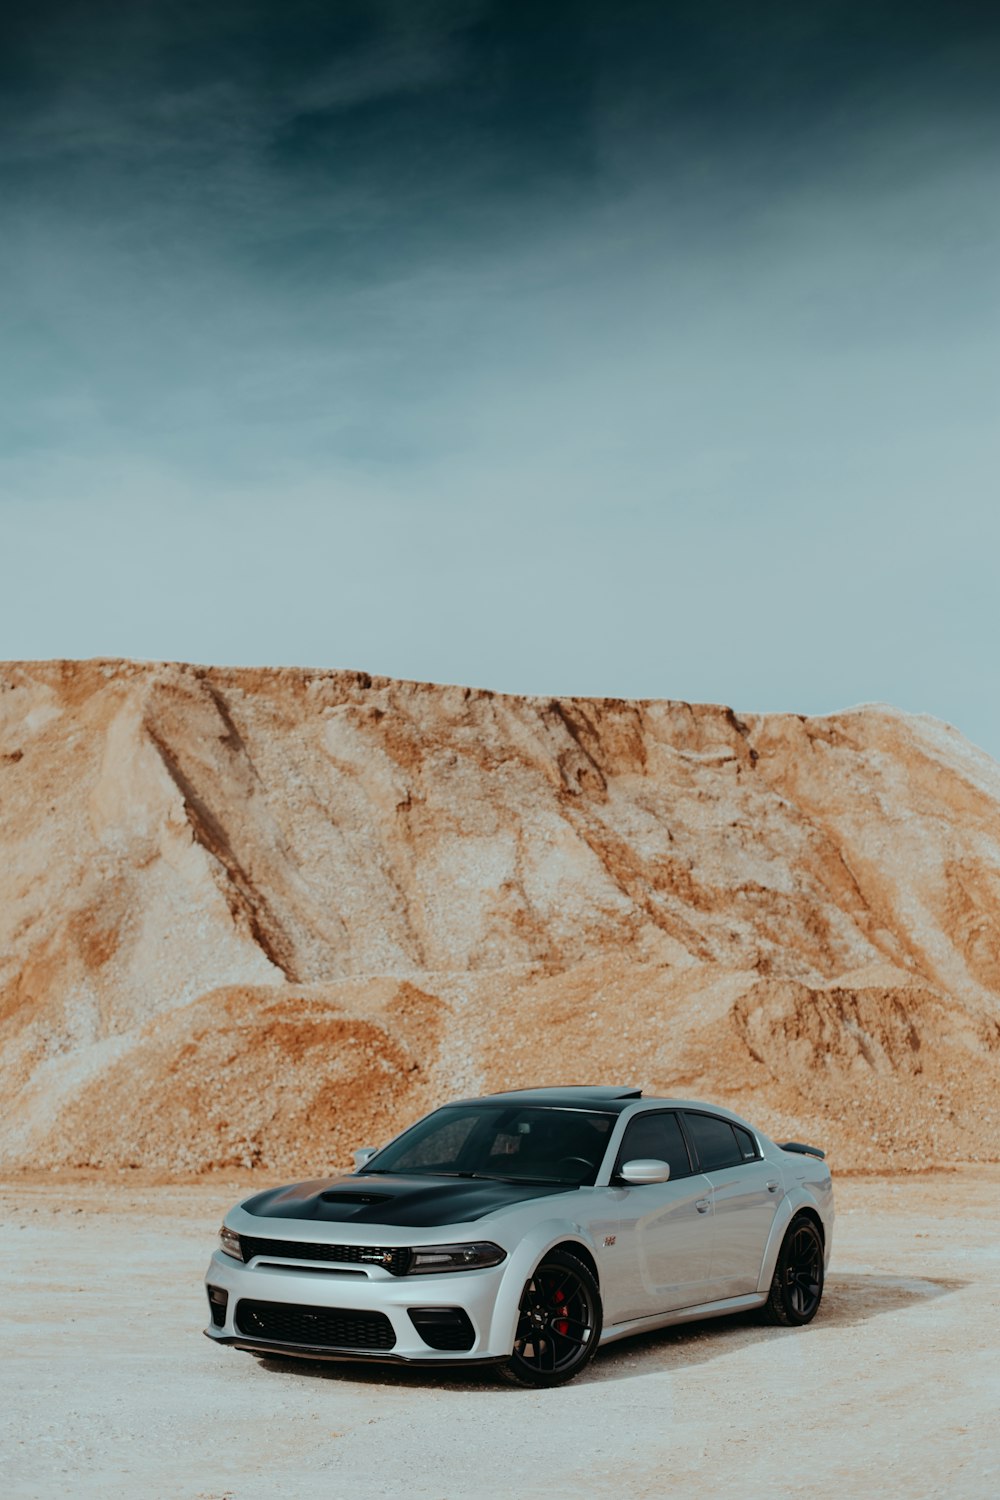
(683, 1315)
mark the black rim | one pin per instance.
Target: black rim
(556, 1322)
(804, 1271)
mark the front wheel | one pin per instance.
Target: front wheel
(797, 1285)
(559, 1323)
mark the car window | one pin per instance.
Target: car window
(747, 1144)
(656, 1136)
(714, 1141)
(526, 1142)
(439, 1146)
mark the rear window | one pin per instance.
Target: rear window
(714, 1141)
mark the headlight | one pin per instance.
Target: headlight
(229, 1243)
(425, 1258)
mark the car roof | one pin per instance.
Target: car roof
(611, 1097)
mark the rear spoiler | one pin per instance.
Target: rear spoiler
(802, 1150)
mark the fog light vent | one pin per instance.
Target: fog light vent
(218, 1301)
(443, 1327)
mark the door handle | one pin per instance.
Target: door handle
(773, 1187)
(703, 1205)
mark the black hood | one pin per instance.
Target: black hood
(411, 1202)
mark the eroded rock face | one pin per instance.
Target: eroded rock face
(260, 916)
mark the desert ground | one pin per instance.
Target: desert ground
(108, 1389)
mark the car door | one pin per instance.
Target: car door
(664, 1243)
(746, 1192)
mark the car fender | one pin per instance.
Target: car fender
(795, 1198)
(523, 1261)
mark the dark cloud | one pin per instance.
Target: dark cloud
(381, 128)
(685, 307)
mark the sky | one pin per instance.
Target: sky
(552, 346)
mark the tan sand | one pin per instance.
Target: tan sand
(108, 1390)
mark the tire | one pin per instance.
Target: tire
(559, 1324)
(797, 1285)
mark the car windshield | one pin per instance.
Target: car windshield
(504, 1142)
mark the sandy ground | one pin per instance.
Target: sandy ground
(108, 1389)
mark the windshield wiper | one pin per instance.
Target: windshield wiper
(521, 1181)
(409, 1172)
(471, 1177)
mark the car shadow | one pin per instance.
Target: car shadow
(850, 1299)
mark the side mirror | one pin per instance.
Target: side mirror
(363, 1154)
(644, 1170)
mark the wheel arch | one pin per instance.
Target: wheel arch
(572, 1274)
(565, 1236)
(794, 1205)
(574, 1247)
(806, 1211)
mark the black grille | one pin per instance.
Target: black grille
(322, 1327)
(217, 1303)
(396, 1259)
(443, 1327)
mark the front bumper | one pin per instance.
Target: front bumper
(369, 1291)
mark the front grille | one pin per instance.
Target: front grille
(443, 1327)
(322, 1327)
(396, 1259)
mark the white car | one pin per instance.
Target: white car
(525, 1230)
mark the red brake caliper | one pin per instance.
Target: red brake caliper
(561, 1326)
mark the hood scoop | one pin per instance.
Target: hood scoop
(353, 1200)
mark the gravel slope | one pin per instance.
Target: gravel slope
(107, 1388)
(253, 917)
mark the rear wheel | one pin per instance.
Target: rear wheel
(559, 1323)
(797, 1285)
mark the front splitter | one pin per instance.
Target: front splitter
(323, 1351)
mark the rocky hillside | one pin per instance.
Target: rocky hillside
(255, 916)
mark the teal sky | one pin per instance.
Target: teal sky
(629, 349)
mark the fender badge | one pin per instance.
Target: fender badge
(609, 1239)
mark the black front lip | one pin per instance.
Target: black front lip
(323, 1351)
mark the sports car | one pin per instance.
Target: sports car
(525, 1230)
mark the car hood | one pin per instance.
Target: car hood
(415, 1202)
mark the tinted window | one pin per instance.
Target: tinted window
(747, 1144)
(440, 1145)
(715, 1142)
(659, 1137)
(524, 1142)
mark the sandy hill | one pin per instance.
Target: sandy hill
(260, 916)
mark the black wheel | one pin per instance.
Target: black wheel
(797, 1286)
(559, 1324)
